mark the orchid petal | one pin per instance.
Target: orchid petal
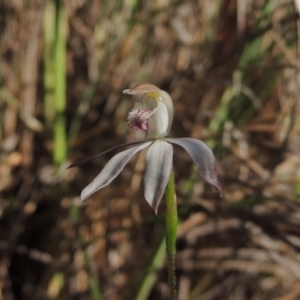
(90, 159)
(111, 170)
(159, 160)
(203, 157)
(159, 122)
(167, 101)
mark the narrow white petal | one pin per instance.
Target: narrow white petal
(159, 162)
(111, 170)
(203, 158)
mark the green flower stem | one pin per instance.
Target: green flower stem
(171, 229)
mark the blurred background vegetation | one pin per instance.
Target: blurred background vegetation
(232, 69)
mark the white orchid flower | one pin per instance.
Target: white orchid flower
(154, 114)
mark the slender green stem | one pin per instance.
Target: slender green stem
(171, 229)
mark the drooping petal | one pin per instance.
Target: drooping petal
(159, 161)
(111, 170)
(203, 158)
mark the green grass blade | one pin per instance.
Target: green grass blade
(60, 138)
(145, 283)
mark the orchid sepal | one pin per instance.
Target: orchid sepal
(203, 158)
(90, 159)
(111, 170)
(159, 161)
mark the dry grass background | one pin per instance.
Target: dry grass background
(232, 69)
